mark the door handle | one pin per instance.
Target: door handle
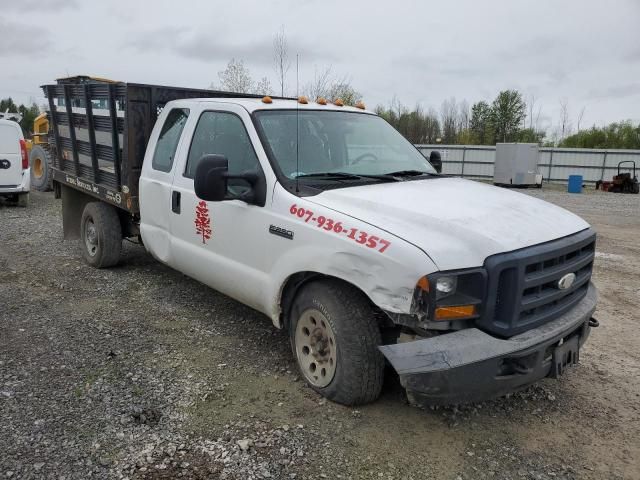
(175, 202)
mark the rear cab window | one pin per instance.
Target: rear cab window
(169, 138)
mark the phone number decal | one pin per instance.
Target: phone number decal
(331, 225)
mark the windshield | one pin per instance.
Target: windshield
(330, 141)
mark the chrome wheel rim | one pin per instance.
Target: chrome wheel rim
(316, 348)
(91, 237)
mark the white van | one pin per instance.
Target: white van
(15, 179)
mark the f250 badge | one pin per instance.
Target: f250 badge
(203, 222)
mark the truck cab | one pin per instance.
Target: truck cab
(325, 219)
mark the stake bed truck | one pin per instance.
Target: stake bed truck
(325, 219)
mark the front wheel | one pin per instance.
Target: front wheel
(335, 338)
(100, 235)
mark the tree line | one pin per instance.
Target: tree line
(503, 120)
(624, 135)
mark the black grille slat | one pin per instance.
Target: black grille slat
(551, 295)
(522, 290)
(550, 311)
(554, 273)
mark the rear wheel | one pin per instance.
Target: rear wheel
(335, 338)
(19, 199)
(23, 200)
(40, 163)
(100, 235)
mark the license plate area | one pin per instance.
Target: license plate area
(565, 356)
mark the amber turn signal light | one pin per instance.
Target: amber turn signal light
(453, 313)
(423, 284)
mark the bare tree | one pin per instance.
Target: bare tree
(263, 87)
(463, 115)
(343, 90)
(281, 61)
(564, 118)
(320, 85)
(580, 116)
(531, 104)
(236, 78)
(537, 122)
(448, 117)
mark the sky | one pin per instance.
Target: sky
(583, 53)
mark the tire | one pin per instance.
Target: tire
(40, 163)
(351, 340)
(18, 200)
(100, 235)
(23, 200)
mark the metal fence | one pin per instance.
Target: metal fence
(555, 164)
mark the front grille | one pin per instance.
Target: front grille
(523, 288)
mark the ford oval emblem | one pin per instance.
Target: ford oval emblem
(566, 281)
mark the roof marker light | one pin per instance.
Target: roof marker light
(302, 99)
(338, 102)
(321, 101)
(267, 99)
(360, 105)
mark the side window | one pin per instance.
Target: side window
(222, 133)
(168, 139)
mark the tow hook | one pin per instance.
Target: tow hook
(593, 322)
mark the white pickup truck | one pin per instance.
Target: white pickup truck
(328, 221)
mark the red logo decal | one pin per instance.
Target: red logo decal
(202, 221)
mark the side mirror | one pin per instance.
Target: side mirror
(211, 182)
(436, 160)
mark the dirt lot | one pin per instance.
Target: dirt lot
(140, 372)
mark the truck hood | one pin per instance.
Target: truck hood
(458, 223)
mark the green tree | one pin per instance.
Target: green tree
(624, 135)
(507, 113)
(481, 123)
(417, 126)
(29, 114)
(530, 135)
(7, 105)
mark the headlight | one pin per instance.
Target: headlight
(446, 286)
(451, 295)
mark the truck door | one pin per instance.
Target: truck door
(10, 155)
(219, 243)
(155, 184)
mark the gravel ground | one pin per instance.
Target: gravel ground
(139, 372)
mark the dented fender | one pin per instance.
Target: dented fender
(387, 277)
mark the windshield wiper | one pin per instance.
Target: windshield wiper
(410, 173)
(347, 176)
